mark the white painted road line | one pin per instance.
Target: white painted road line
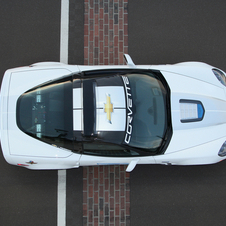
(61, 198)
(64, 29)
(61, 189)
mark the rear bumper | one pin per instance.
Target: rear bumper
(3, 116)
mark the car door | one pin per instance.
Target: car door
(110, 154)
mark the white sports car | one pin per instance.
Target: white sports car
(58, 116)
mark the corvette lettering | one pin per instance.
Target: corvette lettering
(129, 110)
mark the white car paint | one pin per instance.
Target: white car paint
(191, 143)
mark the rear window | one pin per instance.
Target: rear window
(45, 113)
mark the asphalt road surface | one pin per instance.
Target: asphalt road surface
(159, 32)
(30, 32)
(162, 32)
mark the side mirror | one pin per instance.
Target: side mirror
(129, 60)
(132, 165)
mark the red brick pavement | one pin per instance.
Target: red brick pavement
(106, 196)
(106, 190)
(105, 31)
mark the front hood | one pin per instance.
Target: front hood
(213, 124)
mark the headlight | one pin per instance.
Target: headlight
(222, 151)
(220, 76)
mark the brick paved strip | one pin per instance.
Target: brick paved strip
(106, 190)
(106, 196)
(105, 31)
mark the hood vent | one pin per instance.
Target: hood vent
(191, 111)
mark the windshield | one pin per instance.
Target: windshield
(130, 108)
(146, 111)
(45, 112)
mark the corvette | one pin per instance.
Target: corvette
(58, 116)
